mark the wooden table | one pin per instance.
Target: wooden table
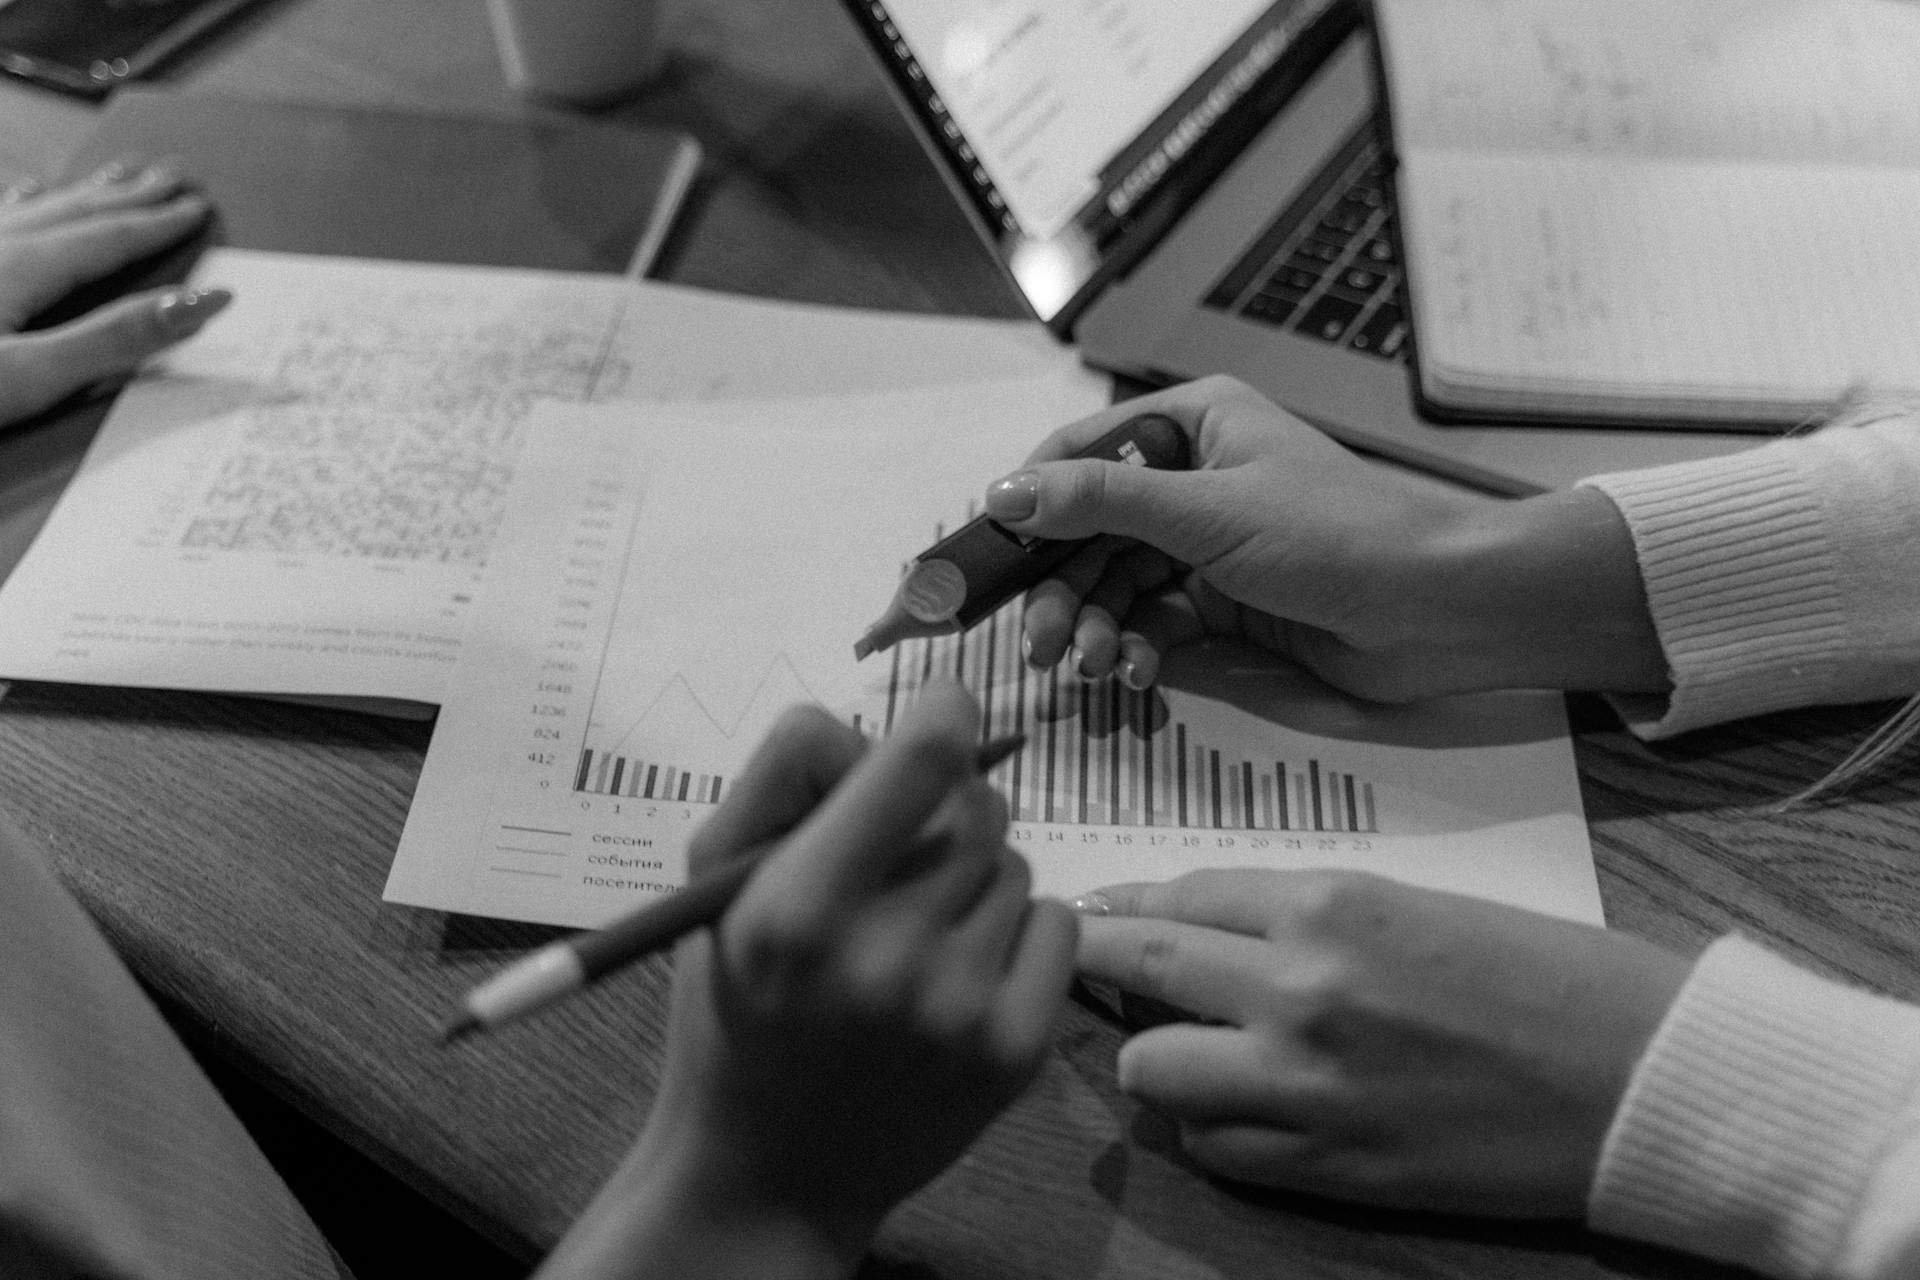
(235, 850)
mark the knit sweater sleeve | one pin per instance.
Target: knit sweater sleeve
(1782, 576)
(1773, 1122)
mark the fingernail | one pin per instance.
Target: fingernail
(1014, 497)
(21, 190)
(1093, 904)
(110, 172)
(183, 311)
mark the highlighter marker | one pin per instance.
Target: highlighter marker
(973, 571)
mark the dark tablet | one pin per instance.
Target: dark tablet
(89, 46)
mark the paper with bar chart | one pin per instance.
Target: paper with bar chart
(674, 577)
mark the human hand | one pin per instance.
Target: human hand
(1384, 586)
(52, 242)
(1381, 1043)
(881, 989)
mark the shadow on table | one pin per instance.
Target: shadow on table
(1750, 765)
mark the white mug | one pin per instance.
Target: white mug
(577, 50)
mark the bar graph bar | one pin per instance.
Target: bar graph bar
(1096, 756)
(1097, 753)
(601, 773)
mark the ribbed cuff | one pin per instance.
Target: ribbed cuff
(1760, 1110)
(1743, 586)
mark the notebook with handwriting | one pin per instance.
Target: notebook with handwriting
(1657, 211)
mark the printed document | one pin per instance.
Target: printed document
(669, 579)
(301, 500)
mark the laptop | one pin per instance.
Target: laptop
(1184, 189)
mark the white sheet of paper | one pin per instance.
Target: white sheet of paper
(668, 582)
(300, 501)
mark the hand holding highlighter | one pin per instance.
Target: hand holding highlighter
(973, 571)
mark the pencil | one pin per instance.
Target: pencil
(561, 968)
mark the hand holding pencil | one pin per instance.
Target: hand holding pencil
(878, 991)
(559, 969)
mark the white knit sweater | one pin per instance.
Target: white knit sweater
(1775, 1119)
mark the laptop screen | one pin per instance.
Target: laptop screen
(1066, 126)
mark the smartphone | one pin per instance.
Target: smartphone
(90, 46)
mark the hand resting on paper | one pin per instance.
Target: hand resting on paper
(881, 989)
(1372, 1041)
(53, 242)
(1383, 586)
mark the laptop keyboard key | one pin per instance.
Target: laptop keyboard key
(1270, 308)
(1313, 247)
(1296, 276)
(1361, 281)
(1384, 334)
(1344, 222)
(1329, 318)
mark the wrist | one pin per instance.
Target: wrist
(1543, 592)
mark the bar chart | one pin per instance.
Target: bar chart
(1102, 754)
(604, 774)
(1097, 752)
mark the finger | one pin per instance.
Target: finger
(1197, 1072)
(1138, 663)
(1187, 403)
(54, 261)
(1243, 900)
(954, 860)
(112, 188)
(1039, 975)
(1053, 607)
(961, 958)
(902, 933)
(1212, 973)
(1158, 622)
(1268, 1155)
(860, 832)
(801, 759)
(1096, 643)
(1096, 633)
(900, 945)
(18, 192)
(979, 943)
(39, 369)
(1084, 497)
(1056, 496)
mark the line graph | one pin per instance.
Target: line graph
(622, 763)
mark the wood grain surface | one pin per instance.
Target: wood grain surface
(234, 850)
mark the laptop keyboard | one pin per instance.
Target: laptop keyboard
(1329, 266)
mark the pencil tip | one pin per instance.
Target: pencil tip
(862, 647)
(999, 749)
(459, 1028)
